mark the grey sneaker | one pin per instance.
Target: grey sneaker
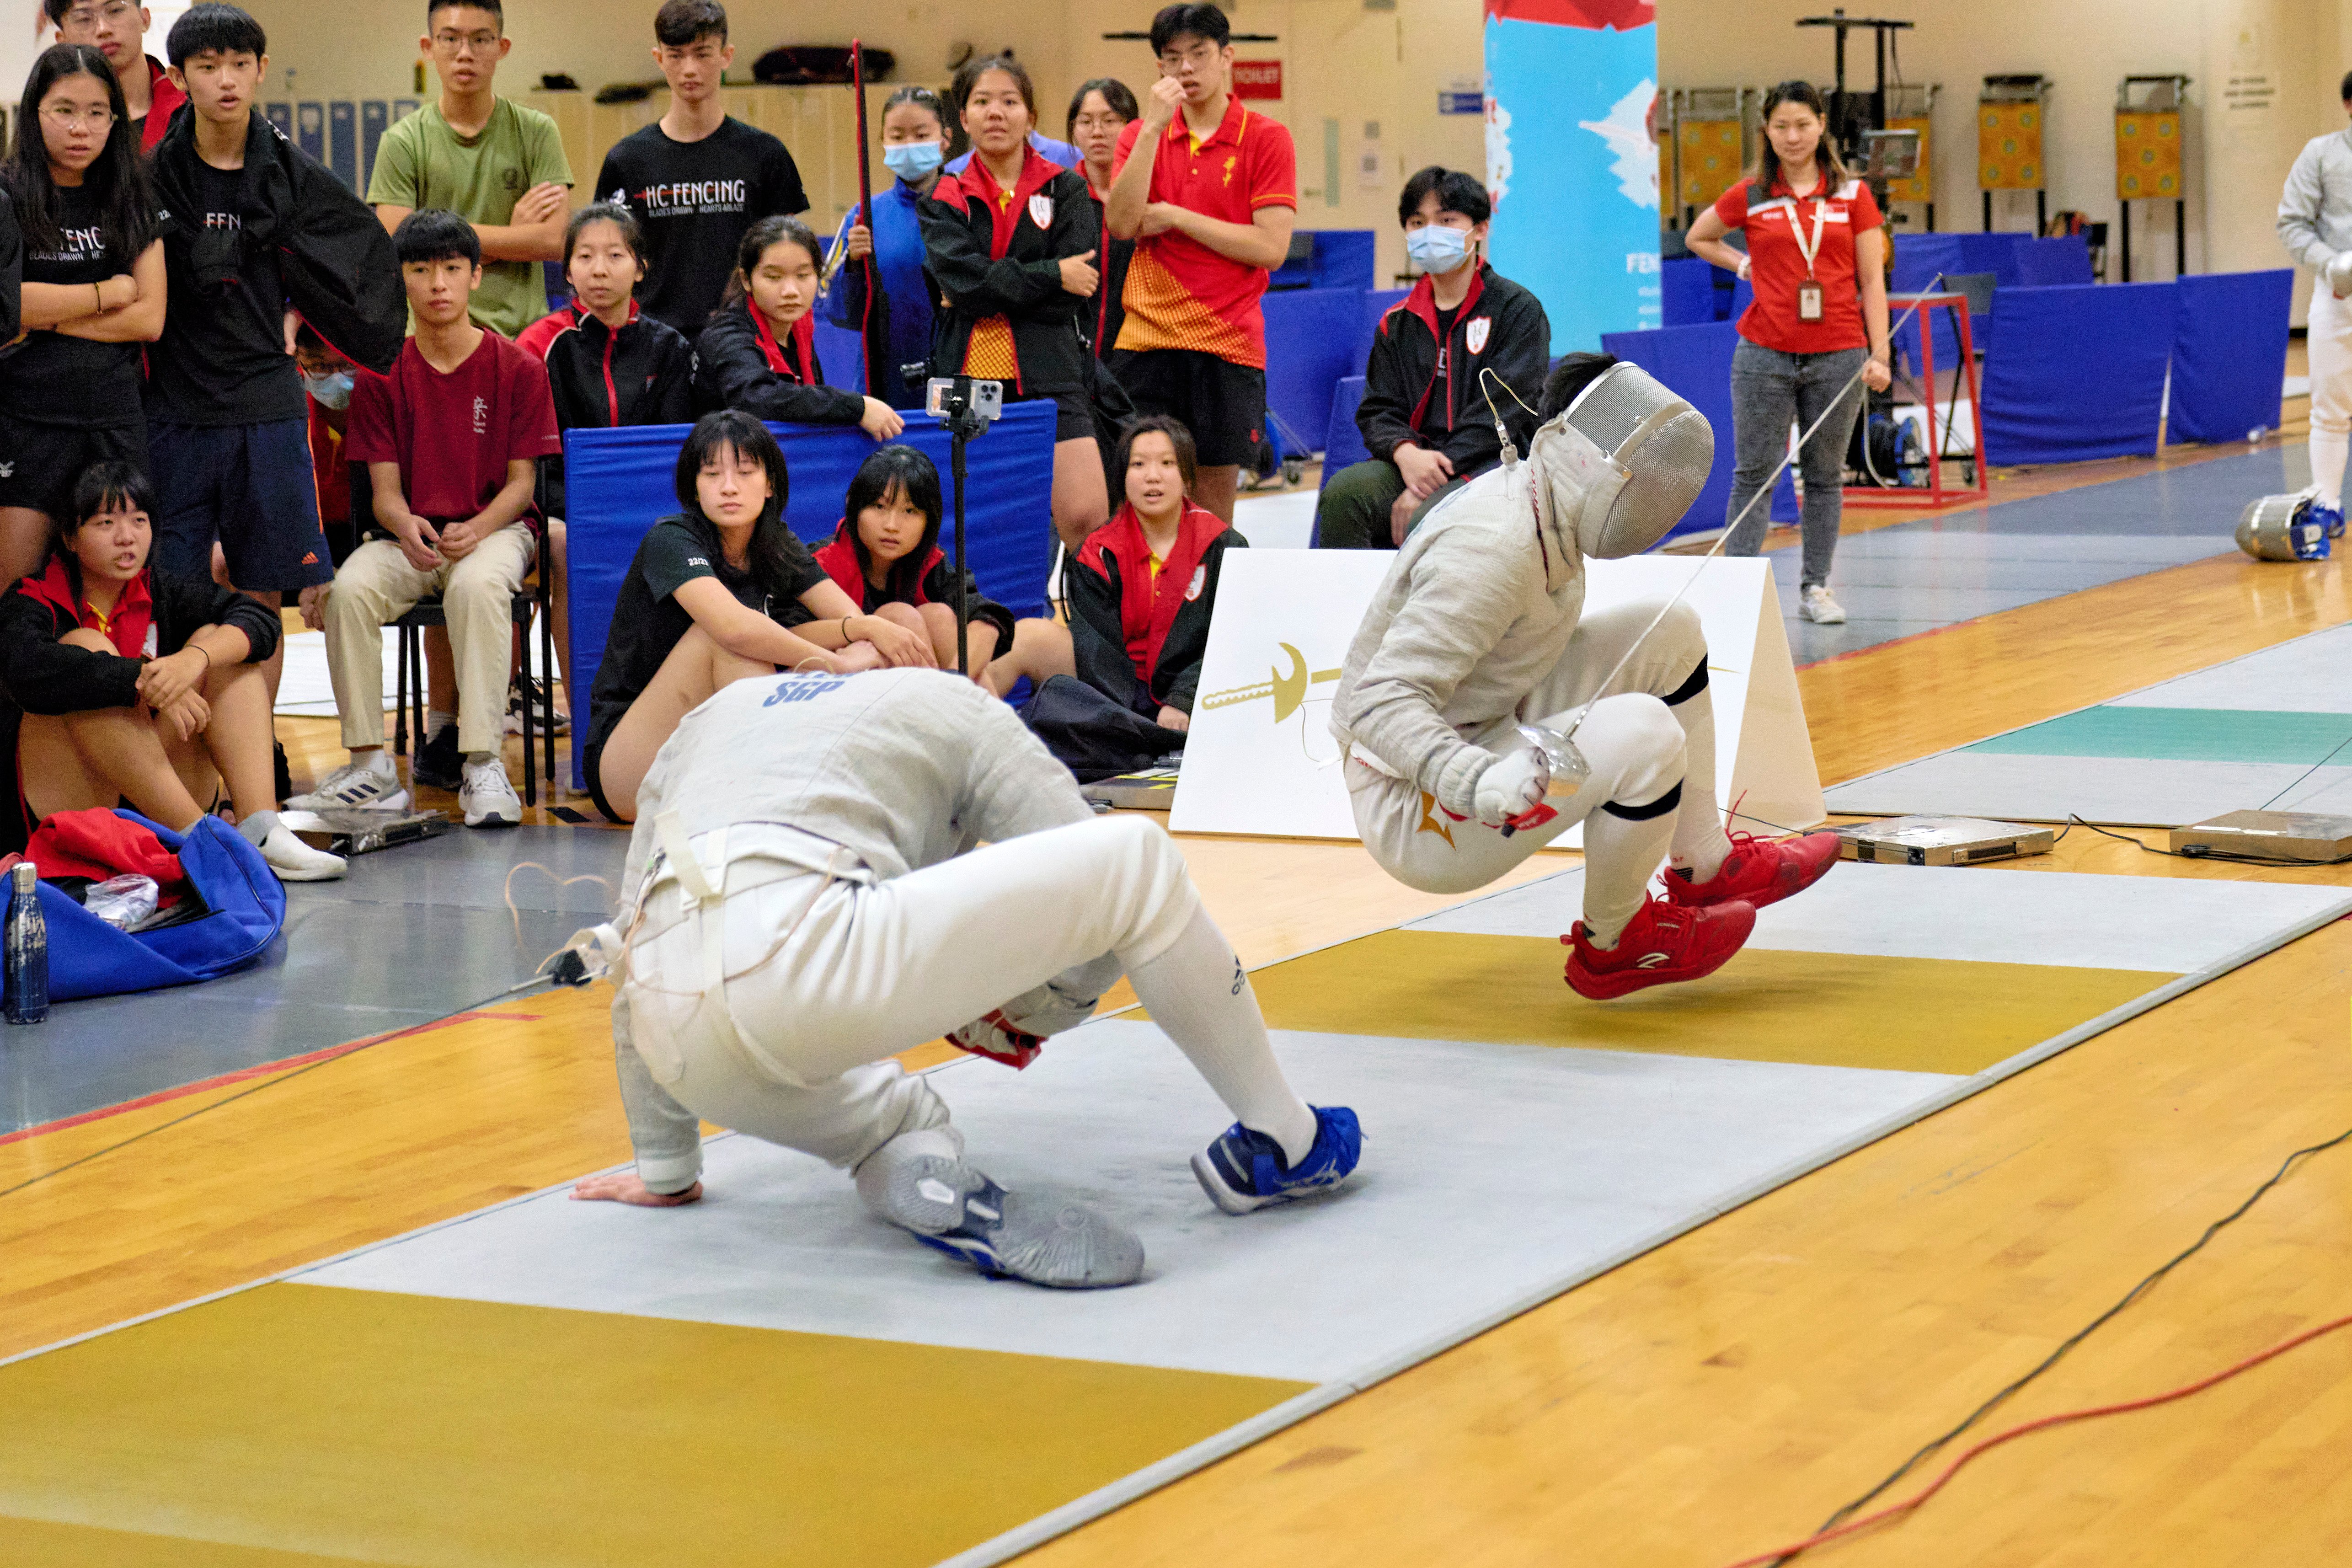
(355, 787)
(487, 799)
(1815, 604)
(1036, 1237)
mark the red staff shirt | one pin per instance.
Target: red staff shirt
(1777, 264)
(453, 436)
(1179, 294)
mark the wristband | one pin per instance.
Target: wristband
(207, 652)
(1743, 263)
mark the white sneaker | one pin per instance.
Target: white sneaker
(1815, 604)
(356, 786)
(294, 861)
(487, 799)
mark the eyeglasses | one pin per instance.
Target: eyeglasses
(114, 11)
(68, 116)
(1098, 123)
(465, 43)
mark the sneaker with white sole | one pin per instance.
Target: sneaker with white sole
(355, 787)
(487, 799)
(1815, 604)
(294, 861)
(1040, 1237)
(1244, 1170)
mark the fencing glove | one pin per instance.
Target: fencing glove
(1513, 786)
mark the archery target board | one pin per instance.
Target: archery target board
(1261, 760)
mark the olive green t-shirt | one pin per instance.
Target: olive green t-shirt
(423, 163)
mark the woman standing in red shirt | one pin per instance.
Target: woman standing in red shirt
(1817, 257)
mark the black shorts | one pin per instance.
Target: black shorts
(40, 463)
(1221, 403)
(253, 487)
(592, 765)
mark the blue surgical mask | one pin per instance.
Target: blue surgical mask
(329, 391)
(1437, 249)
(913, 160)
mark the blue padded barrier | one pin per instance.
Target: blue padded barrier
(1343, 444)
(1336, 259)
(1313, 337)
(2229, 353)
(2049, 263)
(2078, 372)
(1697, 363)
(842, 357)
(1994, 253)
(1686, 286)
(620, 483)
(1919, 259)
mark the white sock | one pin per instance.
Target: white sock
(1700, 845)
(1619, 858)
(435, 721)
(256, 827)
(1198, 994)
(380, 761)
(2328, 450)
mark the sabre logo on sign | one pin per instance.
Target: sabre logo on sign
(804, 688)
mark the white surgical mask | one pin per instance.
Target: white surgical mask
(330, 391)
(912, 160)
(1437, 249)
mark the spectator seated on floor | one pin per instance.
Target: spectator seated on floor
(141, 685)
(452, 440)
(886, 557)
(1141, 593)
(1429, 408)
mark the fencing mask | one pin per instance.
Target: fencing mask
(2281, 528)
(1624, 463)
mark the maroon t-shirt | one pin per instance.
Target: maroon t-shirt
(453, 436)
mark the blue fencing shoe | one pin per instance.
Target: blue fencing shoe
(1244, 1170)
(1039, 1238)
(2331, 518)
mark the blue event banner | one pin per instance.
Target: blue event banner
(1572, 160)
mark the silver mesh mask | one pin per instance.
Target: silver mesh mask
(1624, 462)
(2281, 528)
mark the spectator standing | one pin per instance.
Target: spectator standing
(914, 145)
(697, 177)
(138, 685)
(93, 297)
(452, 439)
(1100, 110)
(959, 140)
(1209, 191)
(1011, 241)
(492, 162)
(1429, 409)
(118, 29)
(2314, 222)
(228, 424)
(1817, 257)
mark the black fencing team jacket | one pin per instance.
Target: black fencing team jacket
(1417, 389)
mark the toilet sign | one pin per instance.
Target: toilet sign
(1257, 79)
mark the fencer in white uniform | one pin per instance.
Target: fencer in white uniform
(1478, 630)
(2314, 224)
(828, 870)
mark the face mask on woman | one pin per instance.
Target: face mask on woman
(1437, 249)
(330, 391)
(912, 160)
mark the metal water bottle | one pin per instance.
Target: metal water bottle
(28, 1000)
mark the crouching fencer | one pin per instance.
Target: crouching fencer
(804, 899)
(1457, 697)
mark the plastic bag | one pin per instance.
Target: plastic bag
(124, 902)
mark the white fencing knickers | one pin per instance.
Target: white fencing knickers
(1650, 742)
(2331, 391)
(824, 977)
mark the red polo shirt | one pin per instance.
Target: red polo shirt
(1777, 264)
(453, 436)
(1180, 294)
(164, 100)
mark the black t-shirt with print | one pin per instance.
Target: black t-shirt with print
(53, 379)
(222, 359)
(695, 200)
(648, 622)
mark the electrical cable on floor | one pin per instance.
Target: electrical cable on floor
(2307, 774)
(2201, 853)
(495, 997)
(1831, 1527)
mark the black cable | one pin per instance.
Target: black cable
(2198, 852)
(2053, 1359)
(2307, 774)
(273, 1083)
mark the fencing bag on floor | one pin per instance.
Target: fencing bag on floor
(1093, 736)
(243, 909)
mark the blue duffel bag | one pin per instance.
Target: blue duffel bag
(244, 904)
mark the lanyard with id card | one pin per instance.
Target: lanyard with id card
(1809, 292)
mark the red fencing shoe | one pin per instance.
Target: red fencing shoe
(1757, 872)
(1662, 945)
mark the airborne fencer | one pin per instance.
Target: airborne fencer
(829, 869)
(1482, 714)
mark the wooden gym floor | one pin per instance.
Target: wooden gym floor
(1713, 1399)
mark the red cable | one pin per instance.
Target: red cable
(2060, 1419)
